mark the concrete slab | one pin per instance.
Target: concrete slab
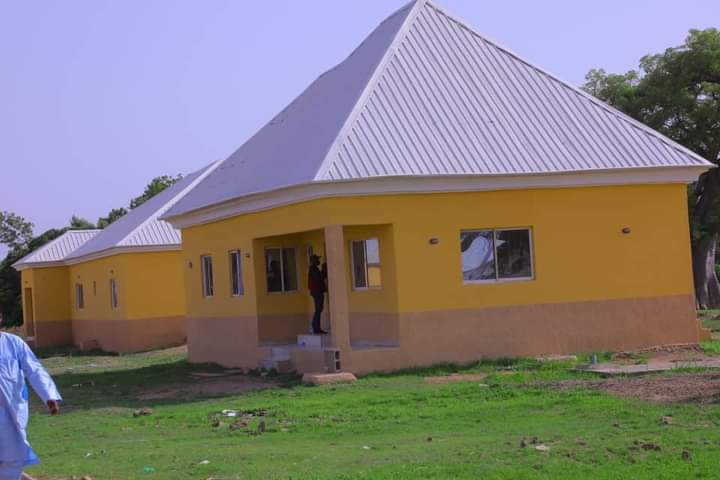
(328, 378)
(612, 369)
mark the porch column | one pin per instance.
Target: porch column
(337, 287)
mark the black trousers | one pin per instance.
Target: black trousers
(319, 299)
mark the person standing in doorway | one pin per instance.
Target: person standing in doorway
(18, 363)
(317, 284)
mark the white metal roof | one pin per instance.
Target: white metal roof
(58, 249)
(141, 227)
(425, 95)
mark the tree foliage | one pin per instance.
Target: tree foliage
(677, 92)
(80, 223)
(112, 215)
(15, 231)
(156, 185)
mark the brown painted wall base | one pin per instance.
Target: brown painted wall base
(125, 336)
(283, 328)
(53, 333)
(466, 336)
(427, 338)
(231, 342)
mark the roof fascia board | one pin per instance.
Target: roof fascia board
(434, 184)
(97, 255)
(120, 250)
(369, 87)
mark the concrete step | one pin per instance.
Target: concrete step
(279, 353)
(310, 341)
(281, 366)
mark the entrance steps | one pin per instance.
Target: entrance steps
(311, 353)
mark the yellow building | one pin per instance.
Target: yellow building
(467, 203)
(120, 289)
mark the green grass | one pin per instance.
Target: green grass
(383, 427)
(710, 319)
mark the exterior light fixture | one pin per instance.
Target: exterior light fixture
(626, 230)
(434, 241)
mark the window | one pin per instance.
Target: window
(236, 284)
(365, 263)
(492, 255)
(207, 276)
(281, 270)
(94, 288)
(79, 296)
(113, 294)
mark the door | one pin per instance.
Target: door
(29, 314)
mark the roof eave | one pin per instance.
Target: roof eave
(387, 185)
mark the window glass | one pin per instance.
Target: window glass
(79, 296)
(273, 270)
(207, 276)
(113, 294)
(290, 277)
(372, 254)
(513, 253)
(359, 264)
(366, 263)
(478, 255)
(236, 285)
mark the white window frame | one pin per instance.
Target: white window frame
(207, 281)
(282, 271)
(367, 275)
(113, 294)
(79, 296)
(494, 239)
(237, 261)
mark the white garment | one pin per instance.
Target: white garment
(18, 362)
(11, 471)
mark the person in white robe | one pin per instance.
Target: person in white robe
(18, 363)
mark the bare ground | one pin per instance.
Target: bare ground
(701, 388)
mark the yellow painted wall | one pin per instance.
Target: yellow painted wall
(385, 298)
(149, 285)
(48, 286)
(579, 250)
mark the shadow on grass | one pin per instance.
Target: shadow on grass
(121, 388)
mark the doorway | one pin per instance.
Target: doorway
(29, 314)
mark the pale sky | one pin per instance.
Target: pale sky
(99, 96)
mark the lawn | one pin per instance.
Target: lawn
(394, 426)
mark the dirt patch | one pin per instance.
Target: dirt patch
(702, 388)
(456, 377)
(208, 387)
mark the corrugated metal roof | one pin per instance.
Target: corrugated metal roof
(58, 249)
(426, 95)
(141, 227)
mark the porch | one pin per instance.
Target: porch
(360, 310)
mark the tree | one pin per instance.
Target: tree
(112, 215)
(80, 223)
(156, 185)
(677, 92)
(15, 231)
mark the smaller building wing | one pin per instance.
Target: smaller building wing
(142, 227)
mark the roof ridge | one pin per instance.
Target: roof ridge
(167, 205)
(415, 6)
(578, 91)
